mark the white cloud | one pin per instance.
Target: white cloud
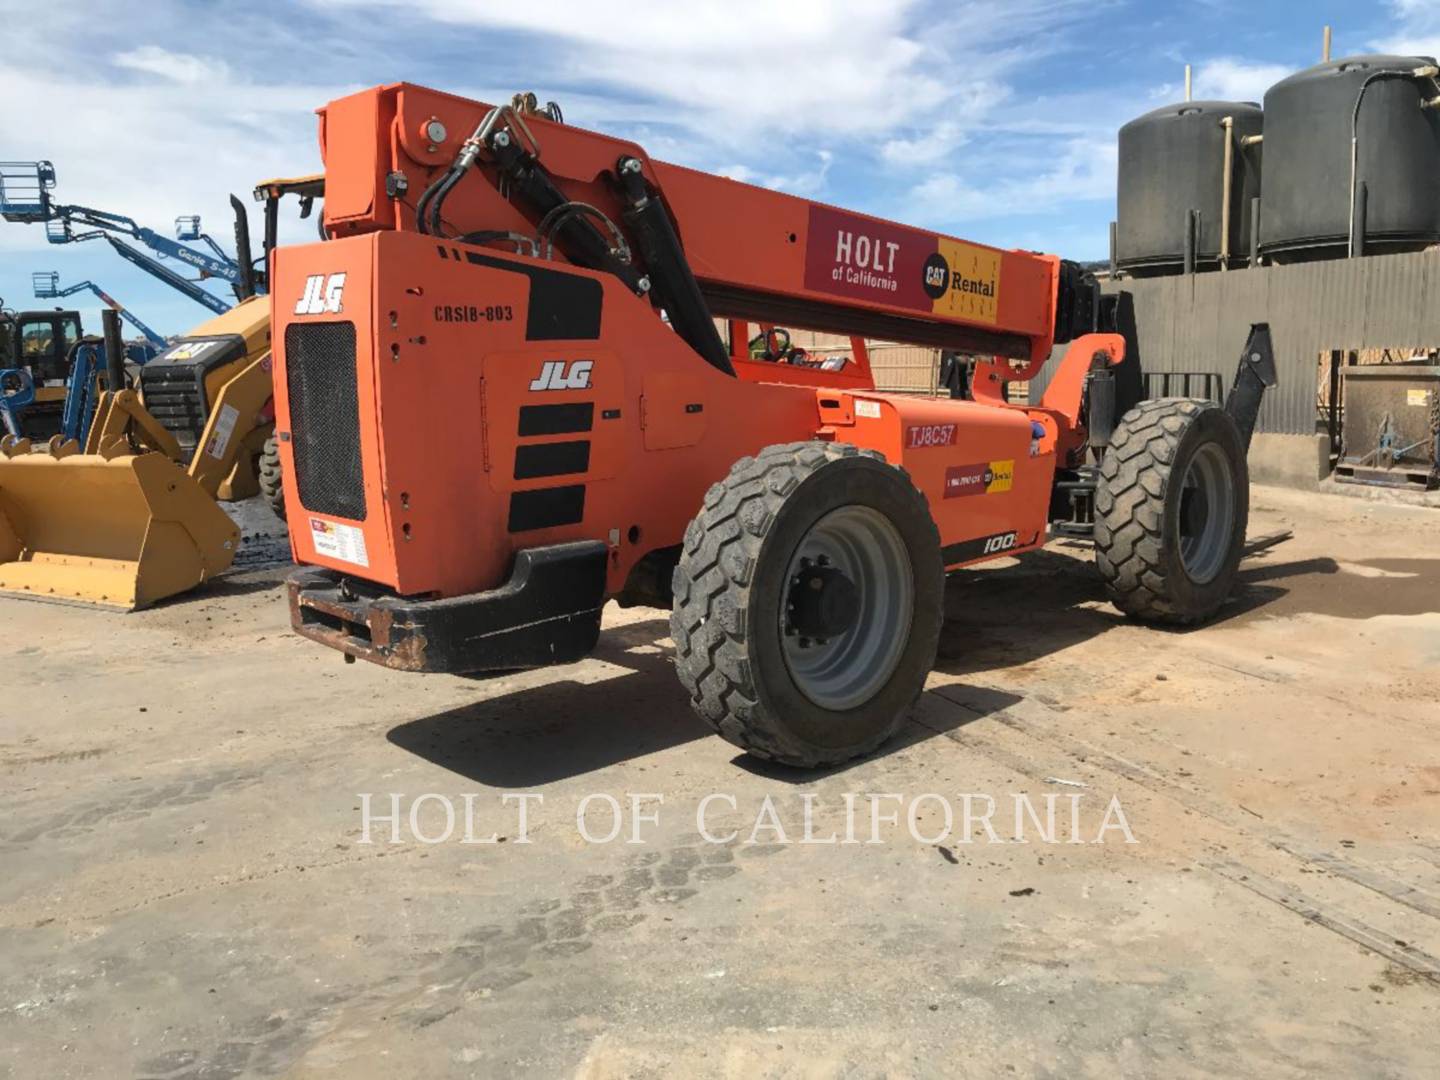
(189, 69)
(1232, 79)
(152, 152)
(843, 65)
(926, 147)
(795, 67)
(827, 99)
(1417, 31)
(802, 183)
(1083, 169)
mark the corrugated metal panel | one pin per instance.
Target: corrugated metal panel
(1199, 323)
(1393, 301)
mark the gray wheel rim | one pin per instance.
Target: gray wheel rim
(1206, 514)
(850, 668)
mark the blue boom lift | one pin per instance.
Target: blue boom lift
(25, 198)
(47, 287)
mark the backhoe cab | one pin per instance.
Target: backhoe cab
(35, 347)
(503, 397)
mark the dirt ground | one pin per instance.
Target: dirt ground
(185, 890)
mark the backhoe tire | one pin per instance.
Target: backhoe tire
(808, 603)
(1171, 507)
(269, 472)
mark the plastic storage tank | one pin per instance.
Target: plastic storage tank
(1309, 121)
(1172, 161)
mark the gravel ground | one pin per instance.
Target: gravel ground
(187, 890)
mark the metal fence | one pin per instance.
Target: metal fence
(1198, 323)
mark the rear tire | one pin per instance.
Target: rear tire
(808, 678)
(1171, 509)
(271, 486)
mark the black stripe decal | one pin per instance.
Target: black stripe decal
(563, 307)
(551, 459)
(546, 508)
(964, 551)
(557, 419)
(967, 550)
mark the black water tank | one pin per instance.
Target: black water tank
(1172, 161)
(1305, 201)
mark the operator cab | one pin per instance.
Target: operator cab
(41, 341)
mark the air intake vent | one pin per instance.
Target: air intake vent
(325, 418)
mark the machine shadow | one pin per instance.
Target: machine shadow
(557, 730)
(998, 617)
(1050, 601)
(931, 719)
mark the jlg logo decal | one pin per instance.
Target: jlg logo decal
(322, 294)
(556, 376)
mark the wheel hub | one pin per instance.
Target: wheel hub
(846, 608)
(823, 601)
(1206, 514)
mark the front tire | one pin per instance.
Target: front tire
(271, 485)
(1171, 508)
(808, 603)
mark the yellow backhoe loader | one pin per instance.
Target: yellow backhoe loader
(131, 517)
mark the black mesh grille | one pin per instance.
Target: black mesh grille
(325, 418)
(174, 395)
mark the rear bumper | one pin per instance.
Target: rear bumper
(547, 613)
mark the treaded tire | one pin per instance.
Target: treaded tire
(730, 586)
(1138, 506)
(269, 472)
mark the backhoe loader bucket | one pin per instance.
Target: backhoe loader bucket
(122, 532)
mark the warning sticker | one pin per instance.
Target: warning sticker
(224, 429)
(853, 256)
(868, 409)
(1417, 396)
(335, 541)
(983, 479)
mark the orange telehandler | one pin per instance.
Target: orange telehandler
(502, 398)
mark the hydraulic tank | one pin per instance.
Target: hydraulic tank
(1311, 181)
(1173, 166)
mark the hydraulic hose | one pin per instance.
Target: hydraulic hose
(422, 221)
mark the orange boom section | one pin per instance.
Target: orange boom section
(756, 253)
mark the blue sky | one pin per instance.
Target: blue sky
(992, 120)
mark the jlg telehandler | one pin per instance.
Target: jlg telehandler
(502, 399)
